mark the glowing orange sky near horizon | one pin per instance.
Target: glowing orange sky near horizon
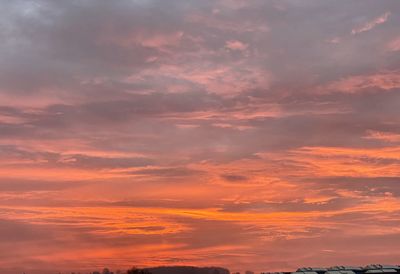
(253, 135)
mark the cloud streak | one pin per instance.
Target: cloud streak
(371, 24)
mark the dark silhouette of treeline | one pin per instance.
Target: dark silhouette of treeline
(166, 270)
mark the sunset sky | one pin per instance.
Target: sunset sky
(247, 134)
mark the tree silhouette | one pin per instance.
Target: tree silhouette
(135, 270)
(106, 271)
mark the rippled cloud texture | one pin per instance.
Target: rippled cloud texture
(255, 134)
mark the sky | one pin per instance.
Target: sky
(259, 134)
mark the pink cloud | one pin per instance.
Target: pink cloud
(383, 136)
(386, 80)
(236, 45)
(371, 24)
(394, 45)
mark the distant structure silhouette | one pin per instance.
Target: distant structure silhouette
(369, 269)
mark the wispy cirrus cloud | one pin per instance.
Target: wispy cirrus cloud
(385, 80)
(371, 24)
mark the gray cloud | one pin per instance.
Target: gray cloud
(168, 172)
(234, 177)
(293, 206)
(14, 185)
